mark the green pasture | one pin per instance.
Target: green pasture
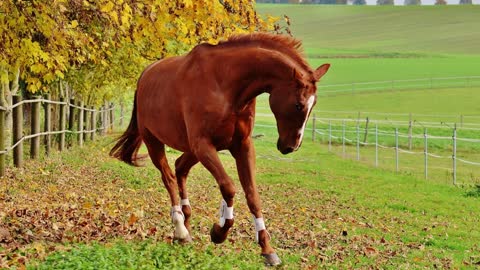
(383, 29)
(377, 43)
(390, 44)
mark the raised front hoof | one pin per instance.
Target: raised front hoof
(217, 234)
(184, 241)
(271, 259)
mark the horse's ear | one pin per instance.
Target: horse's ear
(297, 75)
(320, 71)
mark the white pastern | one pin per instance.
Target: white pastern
(310, 102)
(185, 202)
(225, 212)
(259, 226)
(178, 220)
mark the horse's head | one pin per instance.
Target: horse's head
(291, 103)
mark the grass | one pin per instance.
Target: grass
(380, 29)
(322, 211)
(378, 43)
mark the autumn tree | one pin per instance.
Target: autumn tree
(95, 50)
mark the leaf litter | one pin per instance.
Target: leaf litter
(52, 204)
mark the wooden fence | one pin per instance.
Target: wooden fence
(83, 123)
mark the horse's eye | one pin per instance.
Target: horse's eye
(299, 106)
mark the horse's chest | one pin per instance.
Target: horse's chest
(223, 134)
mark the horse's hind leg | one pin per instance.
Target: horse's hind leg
(182, 167)
(156, 150)
(208, 156)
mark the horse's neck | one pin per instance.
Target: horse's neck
(256, 71)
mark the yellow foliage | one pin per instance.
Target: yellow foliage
(100, 47)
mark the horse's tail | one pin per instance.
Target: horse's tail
(128, 144)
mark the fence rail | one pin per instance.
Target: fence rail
(82, 121)
(392, 85)
(323, 130)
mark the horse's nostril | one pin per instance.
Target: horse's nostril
(287, 150)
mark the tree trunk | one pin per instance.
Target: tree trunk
(7, 93)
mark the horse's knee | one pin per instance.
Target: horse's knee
(228, 190)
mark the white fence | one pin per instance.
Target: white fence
(82, 120)
(396, 135)
(392, 85)
(361, 138)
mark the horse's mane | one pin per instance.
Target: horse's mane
(287, 45)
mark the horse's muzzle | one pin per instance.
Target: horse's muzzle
(284, 149)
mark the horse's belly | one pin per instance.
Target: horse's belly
(170, 132)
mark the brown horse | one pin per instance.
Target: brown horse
(204, 102)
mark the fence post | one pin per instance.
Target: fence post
(410, 127)
(93, 123)
(329, 135)
(393, 85)
(426, 152)
(376, 145)
(17, 132)
(106, 118)
(410, 130)
(353, 88)
(112, 117)
(80, 123)
(71, 120)
(366, 131)
(461, 120)
(2, 139)
(313, 128)
(122, 112)
(358, 142)
(86, 119)
(343, 138)
(48, 125)
(396, 149)
(454, 156)
(35, 141)
(61, 143)
(102, 120)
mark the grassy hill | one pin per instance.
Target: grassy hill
(375, 43)
(406, 29)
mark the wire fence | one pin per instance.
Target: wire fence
(83, 121)
(367, 139)
(393, 85)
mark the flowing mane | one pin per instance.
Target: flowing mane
(287, 45)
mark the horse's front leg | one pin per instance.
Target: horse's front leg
(244, 154)
(208, 156)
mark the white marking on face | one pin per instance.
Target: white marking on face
(310, 102)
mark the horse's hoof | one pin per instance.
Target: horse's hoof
(271, 259)
(216, 234)
(185, 240)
